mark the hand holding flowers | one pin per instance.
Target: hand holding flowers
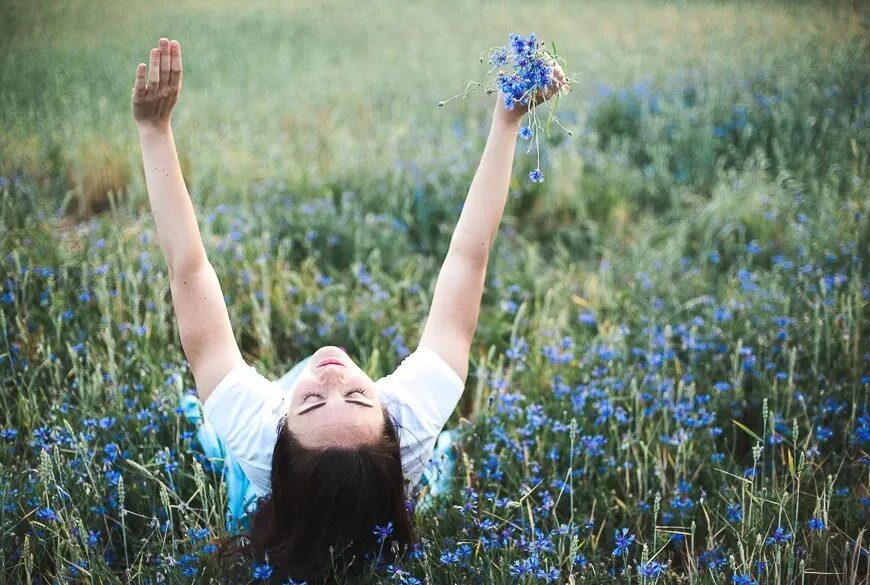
(534, 77)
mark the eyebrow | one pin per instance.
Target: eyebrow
(319, 404)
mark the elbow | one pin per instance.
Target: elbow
(187, 263)
(476, 248)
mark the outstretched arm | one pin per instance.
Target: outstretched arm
(203, 321)
(455, 309)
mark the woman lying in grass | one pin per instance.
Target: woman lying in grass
(334, 456)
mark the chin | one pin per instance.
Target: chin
(328, 351)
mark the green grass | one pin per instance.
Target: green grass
(699, 247)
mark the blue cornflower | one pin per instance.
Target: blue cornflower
(536, 176)
(714, 559)
(46, 514)
(549, 576)
(586, 318)
(652, 569)
(382, 532)
(623, 542)
(735, 513)
(262, 572)
(744, 579)
(449, 558)
(531, 44)
(93, 538)
(509, 306)
(526, 132)
(525, 567)
(521, 47)
(76, 567)
(780, 536)
(816, 524)
(197, 533)
(498, 57)
(112, 476)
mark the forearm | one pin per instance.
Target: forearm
(484, 205)
(177, 230)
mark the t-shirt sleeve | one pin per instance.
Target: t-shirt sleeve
(244, 409)
(421, 394)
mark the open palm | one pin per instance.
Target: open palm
(155, 95)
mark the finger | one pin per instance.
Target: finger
(154, 72)
(554, 74)
(174, 65)
(139, 85)
(554, 81)
(164, 63)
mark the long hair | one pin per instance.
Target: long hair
(329, 497)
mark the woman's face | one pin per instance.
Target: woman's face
(334, 402)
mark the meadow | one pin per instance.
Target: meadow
(670, 378)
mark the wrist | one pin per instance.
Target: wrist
(147, 129)
(507, 118)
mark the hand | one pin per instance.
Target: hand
(558, 84)
(154, 99)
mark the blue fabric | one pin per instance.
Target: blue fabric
(241, 497)
(438, 475)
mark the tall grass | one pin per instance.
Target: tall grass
(674, 330)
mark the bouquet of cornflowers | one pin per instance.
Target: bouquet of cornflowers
(525, 84)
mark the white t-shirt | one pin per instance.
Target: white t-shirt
(245, 408)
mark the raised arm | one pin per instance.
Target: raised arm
(455, 309)
(203, 320)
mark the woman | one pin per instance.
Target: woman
(334, 456)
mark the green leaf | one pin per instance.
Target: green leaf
(748, 431)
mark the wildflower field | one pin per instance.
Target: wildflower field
(670, 378)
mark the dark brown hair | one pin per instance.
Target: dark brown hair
(328, 497)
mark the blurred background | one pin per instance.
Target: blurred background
(315, 93)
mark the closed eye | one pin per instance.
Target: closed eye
(356, 401)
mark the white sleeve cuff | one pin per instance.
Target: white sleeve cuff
(217, 395)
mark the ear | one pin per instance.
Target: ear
(391, 425)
